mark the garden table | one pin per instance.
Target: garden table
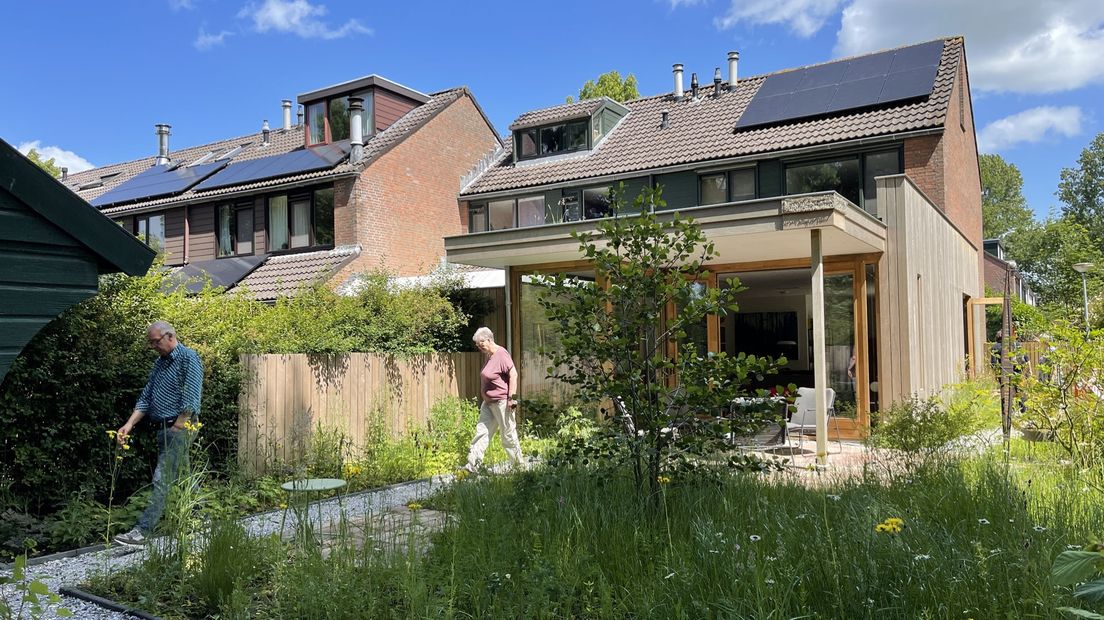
(307, 487)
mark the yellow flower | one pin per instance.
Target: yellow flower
(894, 521)
(881, 527)
(461, 474)
(414, 506)
(111, 434)
(663, 480)
(126, 446)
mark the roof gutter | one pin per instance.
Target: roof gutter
(229, 195)
(704, 165)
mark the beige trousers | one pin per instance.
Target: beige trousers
(494, 415)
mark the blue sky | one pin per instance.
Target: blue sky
(86, 81)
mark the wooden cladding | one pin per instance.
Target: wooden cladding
(390, 107)
(285, 398)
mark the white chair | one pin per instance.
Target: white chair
(804, 416)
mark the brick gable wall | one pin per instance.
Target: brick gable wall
(403, 205)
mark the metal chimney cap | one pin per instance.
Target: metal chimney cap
(717, 75)
(677, 66)
(734, 55)
(264, 125)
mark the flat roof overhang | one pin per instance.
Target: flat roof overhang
(758, 230)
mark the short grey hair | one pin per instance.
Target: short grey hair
(483, 333)
(163, 327)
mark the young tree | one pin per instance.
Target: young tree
(1046, 254)
(615, 333)
(1003, 206)
(1082, 190)
(46, 164)
(609, 85)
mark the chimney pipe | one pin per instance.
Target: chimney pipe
(162, 144)
(733, 60)
(694, 85)
(677, 70)
(264, 132)
(64, 173)
(717, 82)
(299, 117)
(663, 122)
(286, 103)
(356, 129)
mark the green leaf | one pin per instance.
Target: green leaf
(63, 612)
(1092, 591)
(1072, 567)
(1081, 613)
(39, 588)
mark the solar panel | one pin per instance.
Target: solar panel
(875, 79)
(158, 181)
(295, 162)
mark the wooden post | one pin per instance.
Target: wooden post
(820, 366)
(862, 350)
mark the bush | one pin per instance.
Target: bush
(925, 426)
(81, 375)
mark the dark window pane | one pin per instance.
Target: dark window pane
(477, 218)
(501, 214)
(324, 216)
(300, 222)
(339, 119)
(277, 223)
(878, 164)
(742, 183)
(551, 139)
(841, 176)
(713, 188)
(226, 230)
(316, 122)
(571, 208)
(575, 137)
(530, 211)
(244, 231)
(596, 202)
(527, 142)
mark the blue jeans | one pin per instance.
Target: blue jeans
(172, 458)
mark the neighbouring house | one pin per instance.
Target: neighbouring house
(365, 179)
(54, 247)
(845, 196)
(1002, 275)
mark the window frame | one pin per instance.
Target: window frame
(235, 208)
(369, 97)
(860, 154)
(584, 122)
(292, 196)
(145, 217)
(728, 173)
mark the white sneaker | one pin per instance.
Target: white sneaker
(133, 538)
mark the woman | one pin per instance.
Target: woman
(498, 386)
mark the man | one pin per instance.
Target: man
(170, 401)
(498, 385)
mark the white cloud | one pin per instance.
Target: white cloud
(1025, 46)
(61, 157)
(1030, 126)
(804, 17)
(206, 40)
(298, 17)
(1021, 46)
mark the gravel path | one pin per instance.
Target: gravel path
(74, 570)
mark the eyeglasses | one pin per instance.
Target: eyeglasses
(155, 341)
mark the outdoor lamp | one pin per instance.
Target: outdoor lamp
(1082, 268)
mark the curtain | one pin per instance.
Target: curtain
(225, 234)
(300, 223)
(277, 223)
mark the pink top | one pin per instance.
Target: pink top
(495, 376)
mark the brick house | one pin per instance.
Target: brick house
(854, 182)
(1001, 273)
(366, 180)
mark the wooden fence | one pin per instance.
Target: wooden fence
(286, 397)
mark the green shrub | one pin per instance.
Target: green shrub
(925, 426)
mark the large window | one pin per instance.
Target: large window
(339, 118)
(301, 219)
(235, 229)
(852, 177)
(328, 121)
(551, 139)
(530, 211)
(500, 214)
(151, 230)
(477, 218)
(741, 184)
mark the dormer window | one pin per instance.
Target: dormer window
(328, 120)
(553, 139)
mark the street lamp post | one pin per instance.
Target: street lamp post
(1082, 268)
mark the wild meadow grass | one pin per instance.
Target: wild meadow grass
(976, 540)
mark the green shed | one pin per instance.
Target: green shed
(53, 248)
